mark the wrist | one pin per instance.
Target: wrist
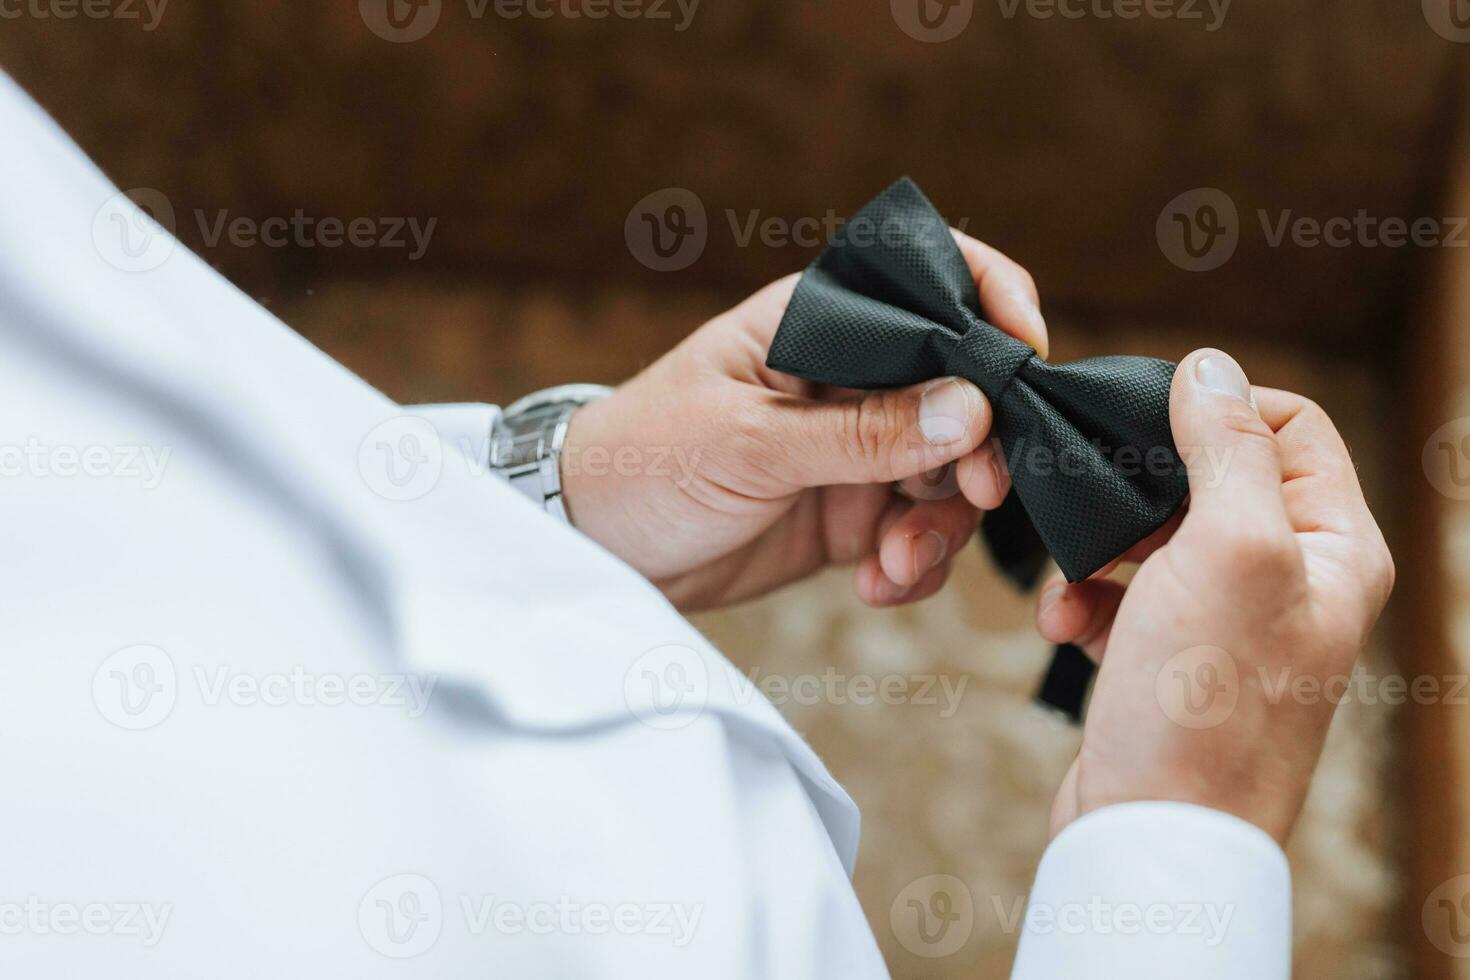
(583, 473)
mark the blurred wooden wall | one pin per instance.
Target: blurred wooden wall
(530, 140)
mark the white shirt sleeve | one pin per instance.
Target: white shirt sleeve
(1145, 890)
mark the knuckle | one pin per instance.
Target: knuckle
(746, 419)
(1313, 413)
(1250, 429)
(873, 421)
(748, 431)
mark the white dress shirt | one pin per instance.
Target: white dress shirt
(292, 687)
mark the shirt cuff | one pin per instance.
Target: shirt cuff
(463, 426)
(1143, 890)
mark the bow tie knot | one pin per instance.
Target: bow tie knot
(989, 357)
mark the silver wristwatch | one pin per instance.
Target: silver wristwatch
(526, 442)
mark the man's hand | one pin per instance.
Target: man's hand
(1275, 575)
(720, 479)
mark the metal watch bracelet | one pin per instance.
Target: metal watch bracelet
(527, 439)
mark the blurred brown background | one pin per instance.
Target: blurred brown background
(1139, 166)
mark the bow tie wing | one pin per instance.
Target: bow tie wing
(886, 302)
(1091, 455)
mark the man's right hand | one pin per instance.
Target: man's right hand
(1268, 585)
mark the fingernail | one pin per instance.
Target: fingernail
(1052, 596)
(929, 550)
(1219, 373)
(944, 410)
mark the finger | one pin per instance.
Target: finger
(924, 538)
(1232, 456)
(876, 589)
(1007, 292)
(1079, 613)
(982, 476)
(1322, 493)
(1320, 482)
(878, 437)
(850, 520)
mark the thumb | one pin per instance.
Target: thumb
(882, 436)
(1232, 457)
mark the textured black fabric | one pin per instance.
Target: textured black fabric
(891, 302)
(1067, 681)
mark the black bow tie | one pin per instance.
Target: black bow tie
(891, 302)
